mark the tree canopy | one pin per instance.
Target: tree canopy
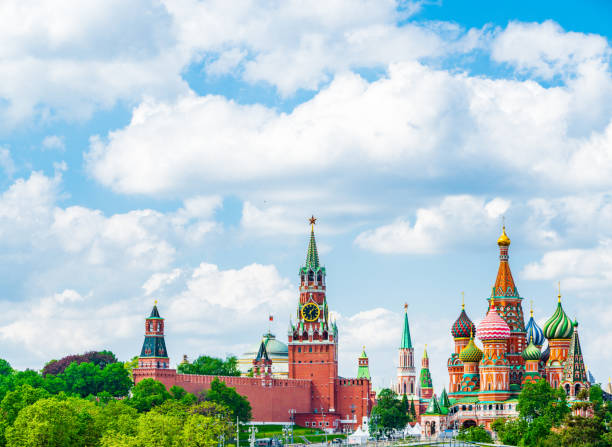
(389, 412)
(221, 394)
(211, 366)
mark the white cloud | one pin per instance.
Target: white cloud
(546, 49)
(583, 271)
(54, 142)
(454, 220)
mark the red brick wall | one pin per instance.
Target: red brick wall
(270, 399)
(353, 392)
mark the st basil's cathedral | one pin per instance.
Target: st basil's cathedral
(484, 383)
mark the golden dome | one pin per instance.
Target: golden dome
(503, 240)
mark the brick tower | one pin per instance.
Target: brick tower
(313, 343)
(506, 301)
(425, 383)
(406, 372)
(153, 353)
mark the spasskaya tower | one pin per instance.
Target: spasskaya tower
(313, 341)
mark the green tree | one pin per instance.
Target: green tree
(412, 410)
(147, 394)
(509, 431)
(211, 366)
(45, 423)
(118, 417)
(130, 365)
(582, 432)
(5, 368)
(116, 380)
(204, 431)
(475, 434)
(388, 412)
(82, 379)
(539, 400)
(238, 405)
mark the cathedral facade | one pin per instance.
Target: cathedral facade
(312, 394)
(484, 383)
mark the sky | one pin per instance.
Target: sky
(173, 150)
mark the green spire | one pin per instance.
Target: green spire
(406, 341)
(363, 372)
(312, 256)
(444, 400)
(434, 406)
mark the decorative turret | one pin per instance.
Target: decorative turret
(425, 383)
(574, 371)
(444, 400)
(153, 353)
(494, 367)
(493, 327)
(558, 330)
(363, 371)
(461, 330)
(559, 326)
(262, 365)
(406, 372)
(471, 353)
(534, 331)
(470, 356)
(531, 352)
(506, 300)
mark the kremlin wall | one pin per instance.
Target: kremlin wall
(299, 382)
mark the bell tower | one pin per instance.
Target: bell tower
(313, 341)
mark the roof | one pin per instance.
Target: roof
(406, 340)
(559, 326)
(154, 313)
(312, 255)
(504, 282)
(274, 347)
(493, 327)
(434, 406)
(262, 354)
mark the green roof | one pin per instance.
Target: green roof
(444, 401)
(406, 341)
(154, 313)
(433, 407)
(312, 256)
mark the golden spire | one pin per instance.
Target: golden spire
(405, 307)
(462, 301)
(559, 296)
(155, 303)
(313, 221)
(531, 311)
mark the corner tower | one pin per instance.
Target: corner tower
(153, 353)
(505, 299)
(313, 341)
(406, 372)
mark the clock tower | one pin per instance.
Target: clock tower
(313, 340)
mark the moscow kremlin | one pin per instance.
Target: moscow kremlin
(298, 382)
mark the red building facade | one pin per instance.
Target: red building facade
(313, 395)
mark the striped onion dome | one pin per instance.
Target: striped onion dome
(471, 353)
(493, 327)
(559, 326)
(531, 352)
(463, 327)
(533, 330)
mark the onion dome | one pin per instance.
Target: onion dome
(463, 327)
(471, 353)
(531, 352)
(493, 327)
(534, 331)
(503, 240)
(559, 326)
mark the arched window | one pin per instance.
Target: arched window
(310, 275)
(411, 388)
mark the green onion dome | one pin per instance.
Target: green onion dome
(531, 352)
(559, 326)
(471, 353)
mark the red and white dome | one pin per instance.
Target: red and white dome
(493, 327)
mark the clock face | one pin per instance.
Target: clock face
(310, 312)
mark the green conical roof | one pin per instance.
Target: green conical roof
(531, 352)
(559, 326)
(433, 407)
(444, 400)
(406, 341)
(154, 313)
(312, 256)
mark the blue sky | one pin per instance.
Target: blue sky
(173, 150)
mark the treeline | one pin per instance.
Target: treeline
(91, 401)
